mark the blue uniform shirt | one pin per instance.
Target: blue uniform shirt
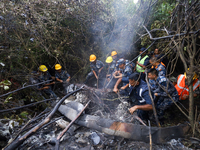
(161, 70)
(96, 66)
(127, 71)
(141, 93)
(163, 82)
(63, 75)
(44, 77)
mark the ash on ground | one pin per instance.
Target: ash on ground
(107, 106)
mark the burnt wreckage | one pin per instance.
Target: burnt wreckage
(108, 123)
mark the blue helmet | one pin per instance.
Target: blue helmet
(121, 61)
(143, 49)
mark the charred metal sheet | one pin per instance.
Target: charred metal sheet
(126, 130)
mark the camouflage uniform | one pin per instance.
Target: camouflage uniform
(63, 75)
(161, 70)
(126, 72)
(44, 77)
(163, 100)
(112, 68)
(94, 67)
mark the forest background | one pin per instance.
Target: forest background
(39, 32)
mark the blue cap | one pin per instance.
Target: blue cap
(143, 49)
(135, 76)
(121, 61)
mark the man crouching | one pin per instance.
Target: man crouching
(139, 92)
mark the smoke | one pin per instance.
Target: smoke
(116, 30)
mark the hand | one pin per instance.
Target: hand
(137, 62)
(97, 77)
(68, 80)
(115, 90)
(133, 109)
(123, 87)
(156, 94)
(61, 81)
(185, 96)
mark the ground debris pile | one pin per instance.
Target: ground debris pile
(105, 124)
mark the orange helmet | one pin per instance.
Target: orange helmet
(92, 58)
(113, 53)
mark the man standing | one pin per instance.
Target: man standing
(96, 68)
(142, 62)
(62, 76)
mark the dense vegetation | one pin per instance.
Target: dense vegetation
(39, 32)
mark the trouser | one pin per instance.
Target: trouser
(91, 76)
(164, 103)
(50, 92)
(144, 115)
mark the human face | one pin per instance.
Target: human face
(121, 66)
(143, 53)
(59, 70)
(133, 83)
(151, 76)
(152, 63)
(156, 52)
(114, 57)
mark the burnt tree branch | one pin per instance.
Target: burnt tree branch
(20, 140)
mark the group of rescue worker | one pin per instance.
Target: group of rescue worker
(61, 76)
(132, 80)
(144, 82)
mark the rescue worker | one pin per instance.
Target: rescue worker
(122, 75)
(111, 67)
(96, 68)
(160, 67)
(163, 59)
(44, 76)
(142, 62)
(159, 89)
(62, 76)
(182, 86)
(139, 95)
(114, 56)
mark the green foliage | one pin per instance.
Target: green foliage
(163, 10)
(24, 114)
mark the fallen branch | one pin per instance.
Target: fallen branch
(20, 140)
(65, 130)
(169, 36)
(24, 88)
(174, 101)
(150, 138)
(29, 105)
